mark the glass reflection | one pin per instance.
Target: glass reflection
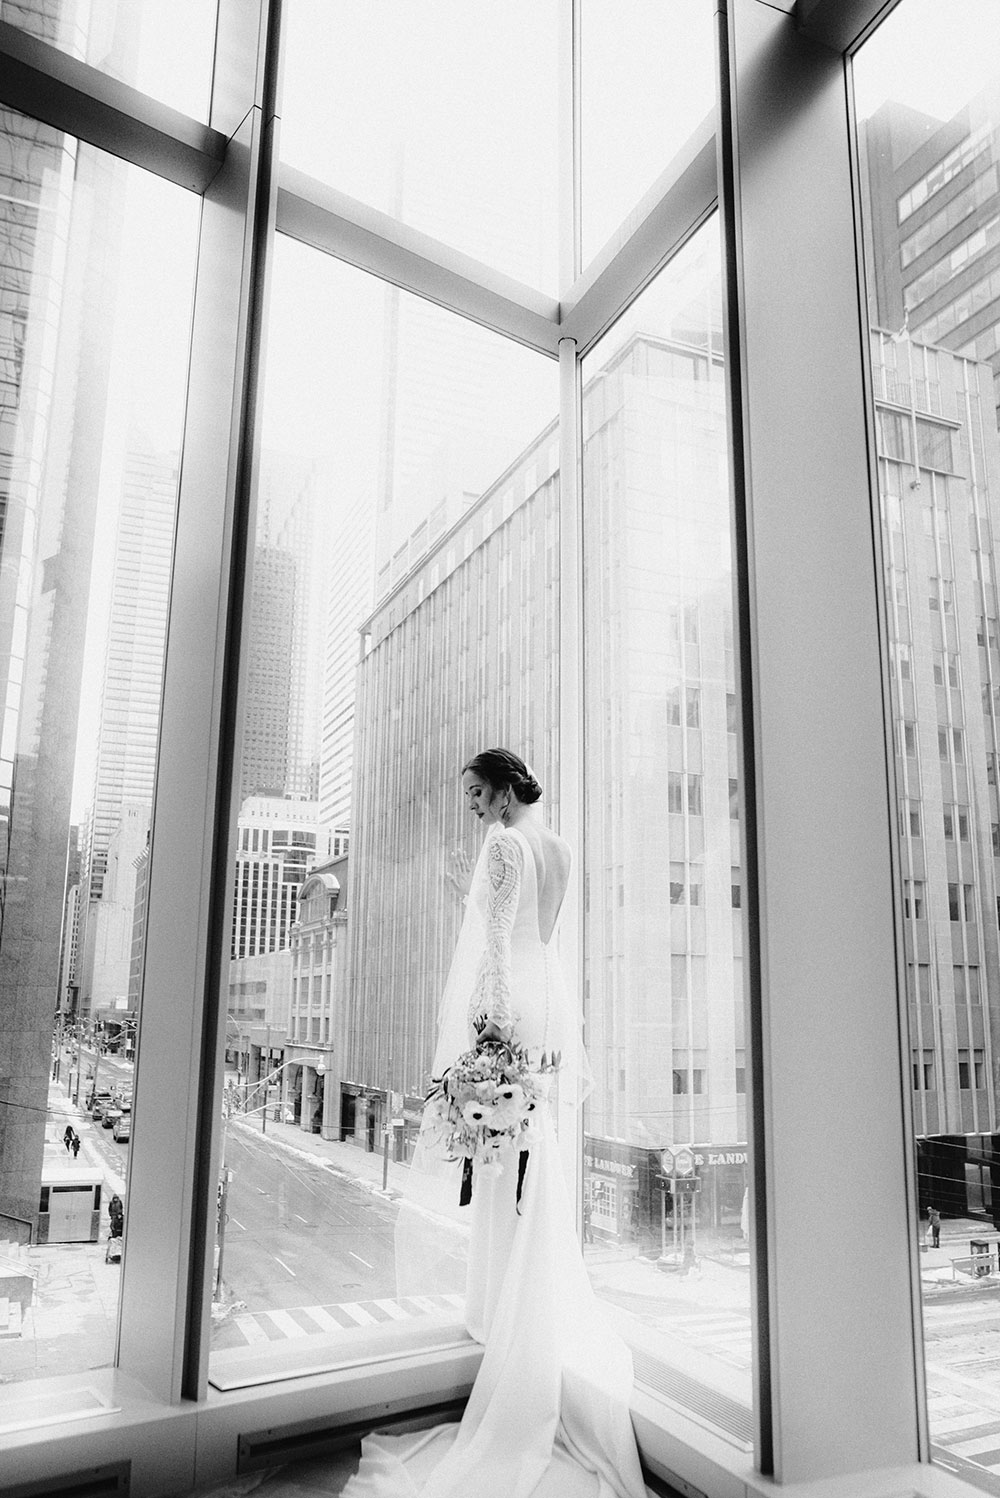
(929, 134)
(164, 47)
(666, 1151)
(96, 269)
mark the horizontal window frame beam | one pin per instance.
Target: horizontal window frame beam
(674, 208)
(319, 215)
(46, 84)
(841, 24)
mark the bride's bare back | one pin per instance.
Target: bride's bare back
(552, 865)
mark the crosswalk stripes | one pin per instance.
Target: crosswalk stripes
(258, 1327)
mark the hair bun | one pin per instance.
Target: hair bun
(528, 789)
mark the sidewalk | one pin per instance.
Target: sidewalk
(72, 1321)
(949, 1266)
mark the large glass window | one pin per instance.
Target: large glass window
(929, 133)
(164, 47)
(666, 1150)
(647, 79)
(444, 116)
(96, 274)
(403, 615)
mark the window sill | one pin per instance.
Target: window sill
(174, 1448)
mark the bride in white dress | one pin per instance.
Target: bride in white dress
(548, 1414)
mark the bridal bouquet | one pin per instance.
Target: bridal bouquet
(485, 1104)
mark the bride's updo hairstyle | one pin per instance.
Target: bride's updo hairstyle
(502, 770)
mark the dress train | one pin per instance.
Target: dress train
(548, 1413)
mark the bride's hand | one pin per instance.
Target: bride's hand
(459, 872)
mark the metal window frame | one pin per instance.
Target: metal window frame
(817, 1411)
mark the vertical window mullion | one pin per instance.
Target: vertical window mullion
(174, 1156)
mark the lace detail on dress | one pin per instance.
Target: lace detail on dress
(491, 995)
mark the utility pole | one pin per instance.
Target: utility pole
(387, 1130)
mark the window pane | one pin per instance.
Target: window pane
(403, 615)
(164, 47)
(666, 1129)
(96, 271)
(647, 82)
(928, 90)
(444, 116)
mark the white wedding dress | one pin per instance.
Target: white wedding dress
(548, 1414)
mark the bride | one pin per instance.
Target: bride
(548, 1413)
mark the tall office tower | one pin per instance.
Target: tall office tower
(278, 840)
(138, 931)
(266, 731)
(70, 943)
(939, 479)
(294, 522)
(349, 602)
(478, 613)
(107, 954)
(125, 764)
(60, 215)
(934, 214)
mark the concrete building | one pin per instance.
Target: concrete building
(107, 959)
(259, 997)
(479, 614)
(939, 479)
(278, 838)
(933, 211)
(60, 218)
(311, 1090)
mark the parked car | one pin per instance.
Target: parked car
(98, 1104)
(122, 1129)
(114, 1112)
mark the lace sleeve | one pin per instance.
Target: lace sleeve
(491, 999)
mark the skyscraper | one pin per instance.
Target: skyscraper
(933, 210)
(128, 723)
(350, 597)
(60, 207)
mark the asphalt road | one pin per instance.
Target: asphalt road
(299, 1234)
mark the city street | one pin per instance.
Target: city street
(299, 1234)
(308, 1246)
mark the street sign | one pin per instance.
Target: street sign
(683, 1162)
(667, 1162)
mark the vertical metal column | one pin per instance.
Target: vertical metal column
(834, 1208)
(571, 695)
(168, 1270)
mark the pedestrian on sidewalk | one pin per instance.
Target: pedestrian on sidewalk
(69, 1136)
(116, 1212)
(75, 1145)
(934, 1226)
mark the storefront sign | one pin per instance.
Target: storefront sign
(611, 1157)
